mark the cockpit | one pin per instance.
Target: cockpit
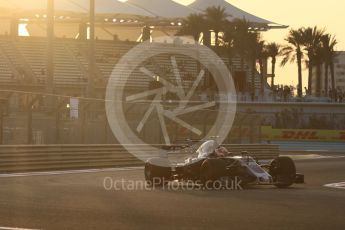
(206, 149)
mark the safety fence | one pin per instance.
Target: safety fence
(22, 158)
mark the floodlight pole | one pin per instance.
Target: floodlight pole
(90, 86)
(50, 49)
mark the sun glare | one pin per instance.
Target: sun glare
(22, 30)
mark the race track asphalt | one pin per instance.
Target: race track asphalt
(82, 201)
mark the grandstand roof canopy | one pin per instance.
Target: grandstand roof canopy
(164, 8)
(233, 12)
(78, 6)
(155, 9)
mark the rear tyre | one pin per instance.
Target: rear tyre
(211, 171)
(283, 171)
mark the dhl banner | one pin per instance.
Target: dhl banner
(268, 133)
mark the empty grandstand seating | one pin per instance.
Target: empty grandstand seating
(5, 72)
(27, 56)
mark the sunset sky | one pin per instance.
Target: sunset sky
(328, 14)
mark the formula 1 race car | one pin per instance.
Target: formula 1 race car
(214, 163)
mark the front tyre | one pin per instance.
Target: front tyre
(156, 175)
(283, 172)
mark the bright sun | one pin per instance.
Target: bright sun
(22, 30)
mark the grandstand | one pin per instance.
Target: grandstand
(24, 61)
(28, 48)
(71, 53)
(28, 56)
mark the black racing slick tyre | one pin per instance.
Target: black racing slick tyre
(156, 175)
(283, 172)
(212, 170)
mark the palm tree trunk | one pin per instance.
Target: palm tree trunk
(230, 60)
(299, 65)
(196, 37)
(242, 63)
(242, 70)
(216, 35)
(310, 74)
(318, 80)
(326, 78)
(332, 75)
(273, 71)
(262, 77)
(207, 38)
(253, 79)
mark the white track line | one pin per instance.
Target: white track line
(7, 228)
(316, 150)
(311, 156)
(68, 172)
(340, 185)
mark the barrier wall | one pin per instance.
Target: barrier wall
(268, 133)
(23, 158)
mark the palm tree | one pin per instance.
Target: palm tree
(318, 61)
(328, 45)
(273, 50)
(216, 17)
(241, 37)
(262, 56)
(254, 45)
(293, 52)
(193, 25)
(228, 39)
(312, 42)
(229, 34)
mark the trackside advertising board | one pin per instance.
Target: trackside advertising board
(268, 133)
